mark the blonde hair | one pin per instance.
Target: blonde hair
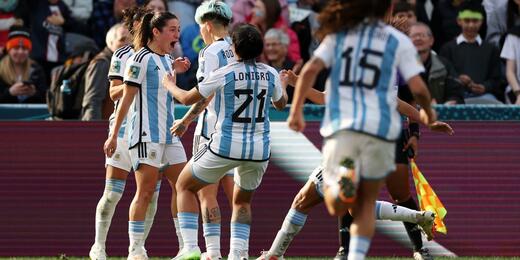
(8, 72)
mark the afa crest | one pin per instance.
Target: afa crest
(133, 72)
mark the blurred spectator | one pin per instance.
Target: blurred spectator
(424, 10)
(476, 62)
(444, 21)
(105, 14)
(65, 95)
(191, 43)
(80, 9)
(503, 18)
(276, 43)
(184, 10)
(511, 53)
(96, 102)
(243, 8)
(156, 5)
(404, 11)
(48, 21)
(265, 15)
(439, 74)
(10, 14)
(304, 22)
(21, 79)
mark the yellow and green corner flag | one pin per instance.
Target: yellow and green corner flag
(428, 200)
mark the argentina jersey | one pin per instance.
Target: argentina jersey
(214, 56)
(116, 72)
(242, 109)
(364, 62)
(153, 105)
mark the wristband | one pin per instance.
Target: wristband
(414, 129)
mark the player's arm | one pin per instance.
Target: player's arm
(314, 95)
(184, 97)
(423, 98)
(116, 89)
(127, 99)
(414, 115)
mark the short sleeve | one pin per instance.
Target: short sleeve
(325, 51)
(117, 64)
(209, 62)
(211, 84)
(277, 90)
(408, 61)
(135, 71)
(508, 51)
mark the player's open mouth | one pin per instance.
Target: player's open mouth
(172, 44)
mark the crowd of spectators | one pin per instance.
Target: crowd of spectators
(470, 48)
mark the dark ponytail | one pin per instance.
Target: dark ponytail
(144, 33)
(340, 15)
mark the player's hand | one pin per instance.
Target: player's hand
(110, 146)
(296, 121)
(181, 65)
(441, 127)
(427, 117)
(169, 80)
(178, 128)
(289, 76)
(413, 144)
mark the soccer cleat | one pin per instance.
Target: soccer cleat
(137, 257)
(206, 256)
(137, 254)
(422, 254)
(341, 254)
(244, 255)
(97, 252)
(266, 255)
(188, 254)
(425, 221)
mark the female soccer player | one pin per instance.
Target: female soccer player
(151, 144)
(311, 194)
(361, 122)
(118, 166)
(213, 18)
(241, 137)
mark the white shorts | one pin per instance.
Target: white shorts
(199, 142)
(121, 158)
(373, 158)
(210, 168)
(317, 178)
(157, 155)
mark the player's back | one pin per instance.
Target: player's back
(364, 62)
(211, 58)
(242, 108)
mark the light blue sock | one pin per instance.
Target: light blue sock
(358, 247)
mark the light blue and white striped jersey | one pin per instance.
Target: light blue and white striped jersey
(116, 71)
(242, 130)
(153, 112)
(214, 56)
(364, 62)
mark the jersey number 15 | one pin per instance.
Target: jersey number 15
(367, 57)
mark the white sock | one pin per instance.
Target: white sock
(388, 211)
(106, 207)
(212, 237)
(292, 224)
(178, 232)
(136, 235)
(150, 212)
(189, 226)
(239, 237)
(358, 247)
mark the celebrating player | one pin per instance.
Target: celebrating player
(151, 144)
(241, 139)
(213, 18)
(361, 122)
